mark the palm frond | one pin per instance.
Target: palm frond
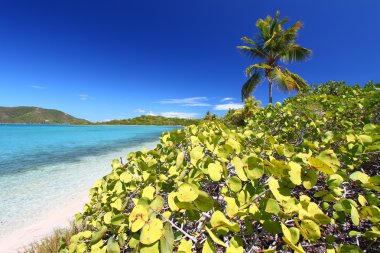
(249, 41)
(253, 52)
(301, 83)
(294, 52)
(250, 85)
(248, 71)
(283, 81)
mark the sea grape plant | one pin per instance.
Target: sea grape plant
(300, 176)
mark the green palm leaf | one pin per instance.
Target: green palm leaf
(250, 85)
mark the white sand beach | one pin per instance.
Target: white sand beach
(60, 218)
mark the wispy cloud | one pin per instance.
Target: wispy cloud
(224, 107)
(139, 110)
(83, 96)
(187, 115)
(193, 101)
(227, 99)
(38, 87)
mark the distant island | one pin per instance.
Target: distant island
(152, 120)
(37, 115)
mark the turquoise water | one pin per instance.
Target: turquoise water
(42, 167)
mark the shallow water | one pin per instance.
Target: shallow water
(43, 167)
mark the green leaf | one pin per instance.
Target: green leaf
(310, 230)
(238, 164)
(138, 217)
(151, 232)
(215, 238)
(295, 173)
(359, 176)
(208, 247)
(215, 171)
(97, 236)
(185, 246)
(255, 168)
(167, 239)
(320, 165)
(112, 246)
(231, 209)
(196, 154)
(204, 202)
(148, 192)
(235, 184)
(117, 220)
(272, 206)
(187, 192)
(179, 160)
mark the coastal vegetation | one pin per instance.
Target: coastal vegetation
(152, 120)
(299, 176)
(272, 45)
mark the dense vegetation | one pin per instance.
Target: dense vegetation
(29, 114)
(300, 176)
(152, 120)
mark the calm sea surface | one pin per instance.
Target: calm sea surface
(44, 166)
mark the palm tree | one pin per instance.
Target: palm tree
(274, 44)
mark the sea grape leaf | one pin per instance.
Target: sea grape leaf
(215, 171)
(196, 154)
(234, 183)
(204, 202)
(272, 206)
(238, 164)
(138, 217)
(208, 247)
(148, 192)
(151, 231)
(112, 246)
(255, 168)
(97, 236)
(281, 194)
(310, 230)
(187, 192)
(214, 237)
(320, 165)
(295, 173)
(185, 246)
(359, 176)
(167, 239)
(231, 209)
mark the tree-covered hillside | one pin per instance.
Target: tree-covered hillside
(152, 120)
(30, 114)
(300, 176)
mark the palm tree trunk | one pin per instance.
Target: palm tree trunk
(270, 90)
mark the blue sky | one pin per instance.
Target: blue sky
(113, 59)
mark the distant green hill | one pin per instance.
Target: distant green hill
(152, 120)
(29, 114)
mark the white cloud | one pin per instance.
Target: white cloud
(224, 107)
(83, 96)
(193, 101)
(38, 87)
(226, 99)
(139, 110)
(187, 115)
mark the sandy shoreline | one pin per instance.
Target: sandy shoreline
(60, 216)
(45, 226)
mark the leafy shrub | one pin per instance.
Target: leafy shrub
(300, 176)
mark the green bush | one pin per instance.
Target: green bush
(302, 176)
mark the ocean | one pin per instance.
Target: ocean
(44, 167)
